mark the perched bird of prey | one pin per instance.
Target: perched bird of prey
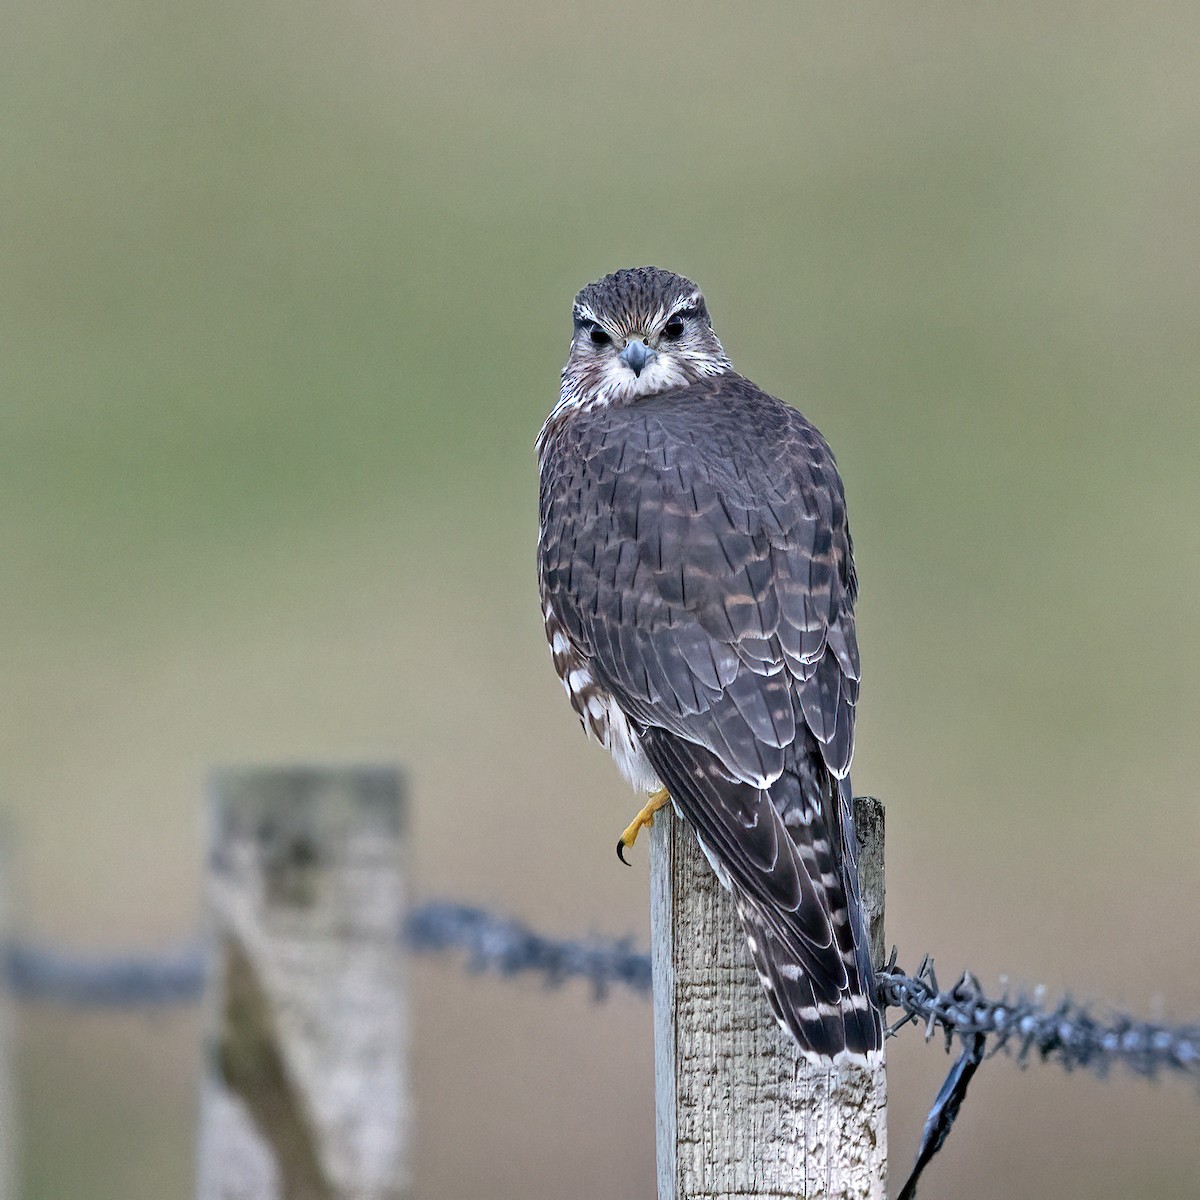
(698, 589)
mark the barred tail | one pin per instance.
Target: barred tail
(787, 854)
(844, 1026)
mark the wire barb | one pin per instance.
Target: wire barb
(1068, 1033)
(508, 947)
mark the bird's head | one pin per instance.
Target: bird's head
(638, 332)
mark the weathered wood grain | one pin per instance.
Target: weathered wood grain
(305, 1095)
(739, 1112)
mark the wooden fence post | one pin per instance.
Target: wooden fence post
(738, 1112)
(305, 1094)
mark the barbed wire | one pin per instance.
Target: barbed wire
(1068, 1033)
(503, 946)
(1024, 1026)
(34, 971)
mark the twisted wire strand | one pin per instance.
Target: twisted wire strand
(34, 971)
(1068, 1033)
(504, 946)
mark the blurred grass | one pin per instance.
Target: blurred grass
(283, 296)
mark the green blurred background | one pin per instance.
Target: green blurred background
(284, 293)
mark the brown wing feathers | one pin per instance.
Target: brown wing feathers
(696, 552)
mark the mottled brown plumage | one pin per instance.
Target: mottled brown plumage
(698, 587)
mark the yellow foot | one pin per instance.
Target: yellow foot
(643, 820)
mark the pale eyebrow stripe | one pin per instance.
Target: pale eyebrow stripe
(584, 313)
(686, 302)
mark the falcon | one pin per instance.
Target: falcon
(697, 584)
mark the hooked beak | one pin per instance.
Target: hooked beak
(637, 354)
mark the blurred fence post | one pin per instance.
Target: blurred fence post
(738, 1111)
(305, 1095)
(8, 1083)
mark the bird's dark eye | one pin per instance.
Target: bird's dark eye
(598, 336)
(674, 327)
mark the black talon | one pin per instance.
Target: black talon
(621, 852)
